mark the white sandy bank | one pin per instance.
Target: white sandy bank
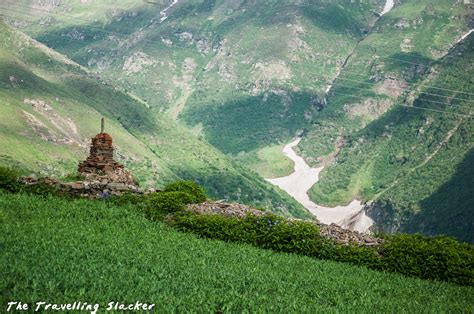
(388, 7)
(303, 178)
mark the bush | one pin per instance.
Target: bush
(192, 189)
(267, 231)
(40, 189)
(438, 258)
(128, 198)
(163, 203)
(9, 180)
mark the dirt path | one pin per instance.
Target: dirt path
(302, 179)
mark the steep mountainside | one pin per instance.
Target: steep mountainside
(51, 107)
(394, 155)
(239, 73)
(249, 76)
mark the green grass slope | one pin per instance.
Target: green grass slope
(399, 157)
(58, 250)
(54, 106)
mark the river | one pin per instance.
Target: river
(303, 178)
(164, 12)
(388, 7)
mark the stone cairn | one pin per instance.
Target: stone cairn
(102, 175)
(100, 164)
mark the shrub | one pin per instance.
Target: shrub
(128, 198)
(438, 258)
(267, 231)
(163, 203)
(40, 189)
(192, 189)
(9, 180)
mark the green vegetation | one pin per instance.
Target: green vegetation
(166, 203)
(438, 258)
(55, 106)
(267, 231)
(195, 192)
(9, 180)
(94, 251)
(269, 162)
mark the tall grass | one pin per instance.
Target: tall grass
(59, 250)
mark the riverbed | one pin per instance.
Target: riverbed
(298, 183)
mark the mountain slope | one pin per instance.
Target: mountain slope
(398, 156)
(54, 106)
(248, 76)
(240, 73)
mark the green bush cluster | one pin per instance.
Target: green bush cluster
(267, 231)
(9, 180)
(157, 205)
(438, 258)
(128, 199)
(160, 204)
(41, 189)
(195, 192)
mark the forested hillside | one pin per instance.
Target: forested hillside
(242, 74)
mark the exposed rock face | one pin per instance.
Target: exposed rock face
(100, 165)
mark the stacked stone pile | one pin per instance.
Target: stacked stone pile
(102, 175)
(100, 164)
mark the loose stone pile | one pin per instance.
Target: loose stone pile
(346, 236)
(332, 232)
(90, 189)
(224, 209)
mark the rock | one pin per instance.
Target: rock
(74, 185)
(226, 209)
(117, 186)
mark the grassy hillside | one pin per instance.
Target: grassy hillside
(54, 107)
(399, 157)
(248, 76)
(241, 73)
(64, 250)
